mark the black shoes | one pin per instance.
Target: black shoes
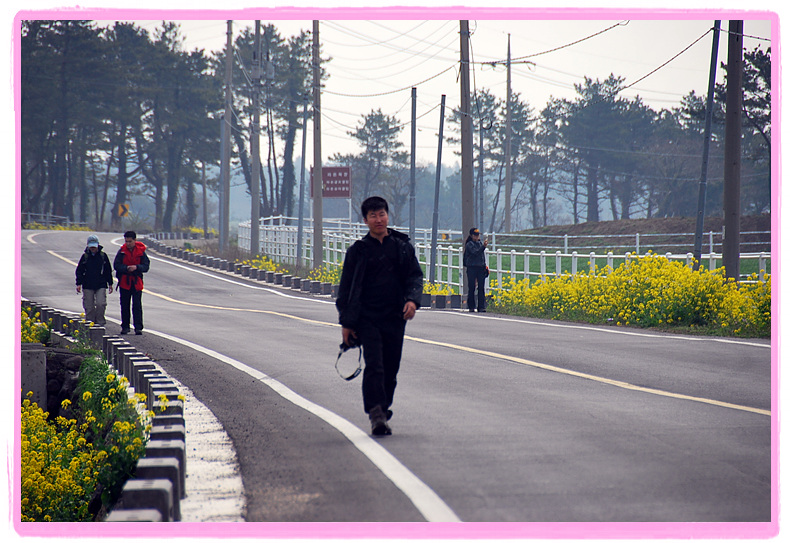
(378, 422)
(138, 332)
(125, 331)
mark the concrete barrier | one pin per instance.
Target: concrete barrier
(155, 494)
(33, 369)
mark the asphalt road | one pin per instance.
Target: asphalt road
(496, 419)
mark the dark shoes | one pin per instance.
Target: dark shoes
(138, 332)
(378, 422)
(125, 331)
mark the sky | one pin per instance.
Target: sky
(379, 52)
(375, 63)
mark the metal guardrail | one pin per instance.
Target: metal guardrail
(47, 219)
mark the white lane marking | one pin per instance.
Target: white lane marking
(241, 283)
(430, 505)
(523, 361)
(678, 337)
(427, 502)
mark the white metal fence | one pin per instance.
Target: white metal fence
(278, 241)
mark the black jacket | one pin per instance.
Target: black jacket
(474, 253)
(349, 295)
(94, 270)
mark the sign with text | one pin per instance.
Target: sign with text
(336, 181)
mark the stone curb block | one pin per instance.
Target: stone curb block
(154, 494)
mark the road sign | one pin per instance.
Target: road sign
(336, 181)
(123, 210)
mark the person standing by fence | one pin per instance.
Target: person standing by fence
(476, 270)
(94, 276)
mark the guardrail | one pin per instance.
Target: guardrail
(278, 240)
(47, 219)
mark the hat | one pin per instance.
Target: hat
(93, 241)
(474, 232)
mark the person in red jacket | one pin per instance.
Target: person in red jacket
(130, 264)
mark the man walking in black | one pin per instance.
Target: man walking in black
(380, 290)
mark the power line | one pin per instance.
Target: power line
(621, 23)
(408, 87)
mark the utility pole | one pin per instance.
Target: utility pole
(478, 211)
(508, 136)
(205, 200)
(225, 222)
(300, 227)
(731, 254)
(255, 148)
(435, 224)
(703, 180)
(318, 199)
(467, 147)
(413, 170)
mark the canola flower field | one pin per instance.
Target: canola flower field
(648, 292)
(73, 467)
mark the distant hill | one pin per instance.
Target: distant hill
(672, 227)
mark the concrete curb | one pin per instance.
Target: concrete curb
(156, 491)
(277, 279)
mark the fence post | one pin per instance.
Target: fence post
(565, 236)
(637, 243)
(526, 265)
(543, 264)
(574, 264)
(610, 261)
(512, 264)
(761, 272)
(592, 264)
(689, 259)
(557, 264)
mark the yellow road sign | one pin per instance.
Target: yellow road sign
(123, 210)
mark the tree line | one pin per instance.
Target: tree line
(596, 153)
(108, 113)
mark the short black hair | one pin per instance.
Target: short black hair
(130, 234)
(374, 203)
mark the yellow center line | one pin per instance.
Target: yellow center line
(604, 380)
(222, 308)
(472, 350)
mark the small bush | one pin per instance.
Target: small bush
(33, 330)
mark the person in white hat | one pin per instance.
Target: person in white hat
(94, 277)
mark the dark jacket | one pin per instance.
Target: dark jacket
(94, 270)
(125, 258)
(349, 295)
(474, 254)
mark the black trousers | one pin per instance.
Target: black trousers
(382, 346)
(131, 299)
(476, 276)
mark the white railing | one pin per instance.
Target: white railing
(279, 242)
